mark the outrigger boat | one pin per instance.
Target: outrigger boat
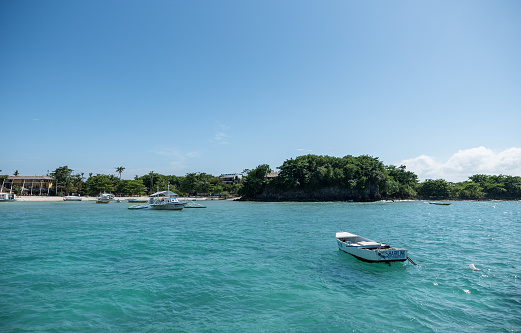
(368, 250)
(72, 198)
(7, 197)
(137, 201)
(165, 200)
(193, 205)
(106, 196)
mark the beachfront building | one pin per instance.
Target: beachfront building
(231, 178)
(272, 175)
(28, 185)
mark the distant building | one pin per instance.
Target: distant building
(30, 185)
(231, 178)
(271, 175)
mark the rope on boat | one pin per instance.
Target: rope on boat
(409, 258)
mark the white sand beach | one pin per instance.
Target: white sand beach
(35, 198)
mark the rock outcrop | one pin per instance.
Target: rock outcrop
(333, 193)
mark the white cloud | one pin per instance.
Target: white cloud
(175, 153)
(221, 134)
(466, 163)
(178, 158)
(221, 138)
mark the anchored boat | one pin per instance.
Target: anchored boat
(138, 207)
(137, 201)
(369, 250)
(191, 204)
(7, 197)
(72, 198)
(165, 200)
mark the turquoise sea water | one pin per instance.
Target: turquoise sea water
(258, 267)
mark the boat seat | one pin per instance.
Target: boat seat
(371, 244)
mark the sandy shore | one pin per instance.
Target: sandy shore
(87, 198)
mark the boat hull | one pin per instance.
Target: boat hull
(369, 250)
(72, 199)
(169, 202)
(138, 207)
(7, 197)
(166, 206)
(373, 255)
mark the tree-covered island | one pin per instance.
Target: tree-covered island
(305, 178)
(365, 178)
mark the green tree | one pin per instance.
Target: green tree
(217, 190)
(499, 187)
(99, 184)
(400, 183)
(63, 179)
(438, 188)
(255, 181)
(2, 179)
(136, 187)
(189, 184)
(468, 190)
(130, 187)
(203, 183)
(513, 186)
(174, 181)
(153, 180)
(312, 172)
(17, 189)
(75, 184)
(120, 170)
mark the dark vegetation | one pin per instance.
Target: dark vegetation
(191, 184)
(305, 178)
(365, 178)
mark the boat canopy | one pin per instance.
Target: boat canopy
(165, 193)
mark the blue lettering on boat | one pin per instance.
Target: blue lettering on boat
(394, 254)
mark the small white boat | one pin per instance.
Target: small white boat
(138, 206)
(165, 200)
(188, 204)
(369, 250)
(72, 198)
(105, 197)
(137, 201)
(7, 197)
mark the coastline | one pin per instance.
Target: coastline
(36, 198)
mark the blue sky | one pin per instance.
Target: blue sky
(222, 86)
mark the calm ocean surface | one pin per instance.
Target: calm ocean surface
(258, 267)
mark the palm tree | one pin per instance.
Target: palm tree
(120, 170)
